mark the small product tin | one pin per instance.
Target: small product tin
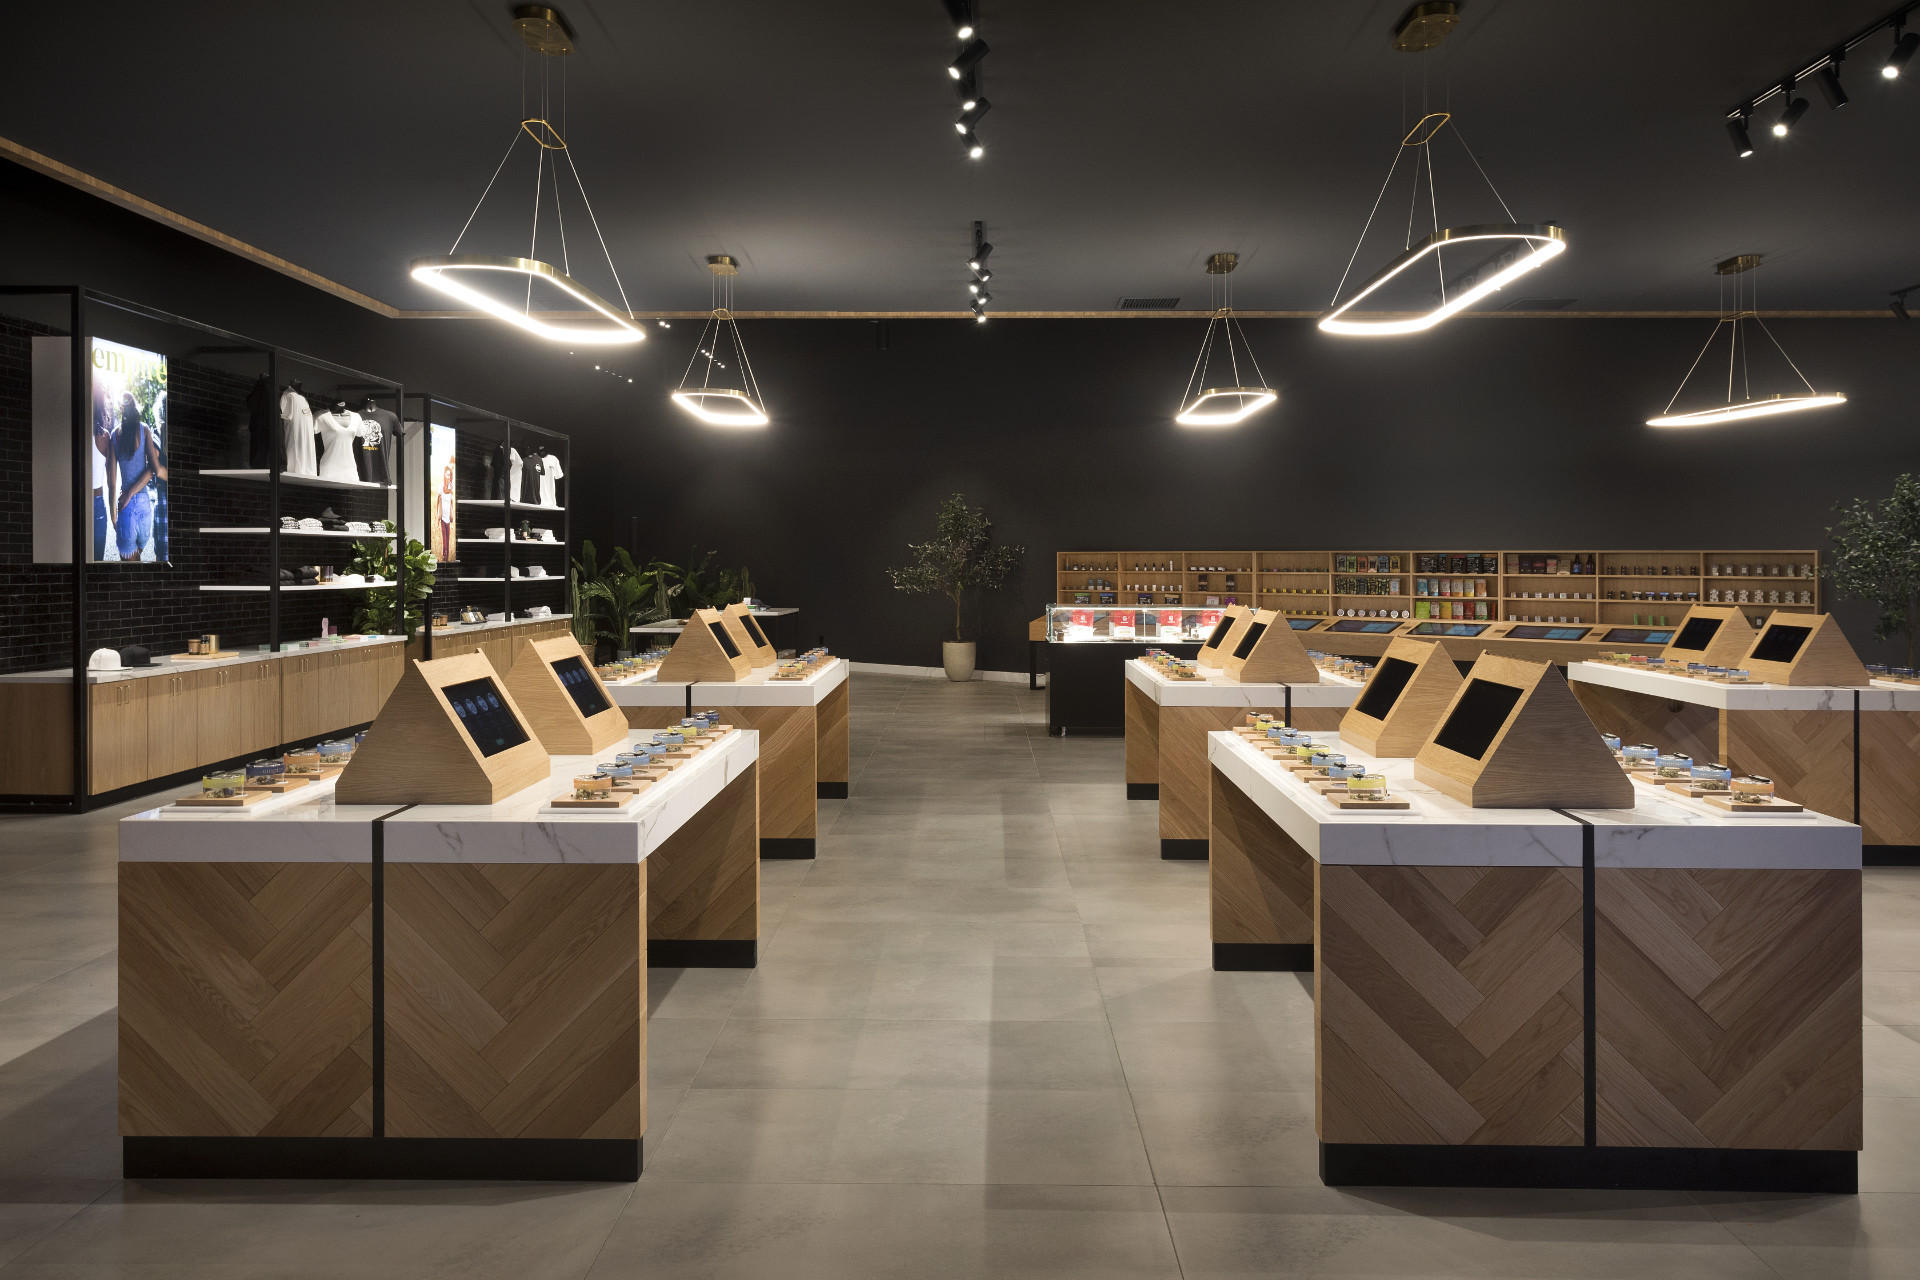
(1752, 789)
(223, 783)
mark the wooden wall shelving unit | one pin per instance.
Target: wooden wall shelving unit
(1319, 583)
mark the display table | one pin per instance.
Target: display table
(1851, 753)
(776, 628)
(319, 990)
(803, 739)
(1666, 996)
(1167, 726)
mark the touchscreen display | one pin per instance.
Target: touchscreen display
(1697, 633)
(1483, 707)
(1364, 624)
(1779, 643)
(1251, 639)
(752, 625)
(581, 686)
(1304, 624)
(1450, 628)
(1548, 633)
(1389, 678)
(731, 649)
(1638, 635)
(1220, 632)
(485, 715)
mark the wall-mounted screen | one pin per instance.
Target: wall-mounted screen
(1304, 624)
(581, 686)
(128, 452)
(1779, 643)
(441, 442)
(485, 715)
(1483, 707)
(1219, 633)
(1639, 635)
(1548, 633)
(753, 629)
(1697, 633)
(1389, 679)
(1449, 629)
(727, 645)
(1366, 625)
(1251, 639)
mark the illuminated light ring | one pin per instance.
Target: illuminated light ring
(1192, 417)
(1548, 241)
(433, 272)
(1747, 409)
(752, 416)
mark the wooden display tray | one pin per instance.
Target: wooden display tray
(320, 774)
(1695, 793)
(244, 800)
(618, 802)
(283, 786)
(1343, 801)
(1776, 805)
(204, 657)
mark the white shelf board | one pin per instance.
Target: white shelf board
(522, 581)
(301, 533)
(516, 542)
(287, 477)
(501, 502)
(318, 586)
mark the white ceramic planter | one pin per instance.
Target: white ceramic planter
(957, 655)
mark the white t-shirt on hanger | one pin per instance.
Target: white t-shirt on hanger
(338, 431)
(513, 475)
(296, 424)
(550, 471)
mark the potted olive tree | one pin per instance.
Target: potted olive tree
(1876, 558)
(961, 560)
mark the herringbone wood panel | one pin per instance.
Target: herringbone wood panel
(704, 881)
(515, 1001)
(1260, 882)
(834, 735)
(246, 1001)
(1638, 717)
(1448, 1005)
(1808, 754)
(1142, 735)
(1727, 1005)
(787, 764)
(1889, 768)
(1184, 784)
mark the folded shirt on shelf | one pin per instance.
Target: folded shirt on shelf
(359, 526)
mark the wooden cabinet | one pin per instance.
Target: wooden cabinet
(239, 711)
(40, 762)
(313, 696)
(384, 666)
(117, 734)
(173, 723)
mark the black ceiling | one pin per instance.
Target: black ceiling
(1129, 139)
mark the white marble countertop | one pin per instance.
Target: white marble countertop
(166, 666)
(1661, 830)
(1879, 696)
(470, 628)
(308, 826)
(757, 688)
(1217, 690)
(677, 625)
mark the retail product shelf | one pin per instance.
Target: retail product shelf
(299, 533)
(261, 475)
(501, 502)
(317, 586)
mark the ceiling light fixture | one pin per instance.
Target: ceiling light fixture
(1745, 309)
(1829, 81)
(718, 404)
(546, 32)
(1227, 404)
(975, 148)
(980, 252)
(1825, 68)
(961, 14)
(1902, 52)
(1790, 113)
(1742, 140)
(970, 115)
(969, 57)
(1899, 304)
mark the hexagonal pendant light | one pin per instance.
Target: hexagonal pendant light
(715, 399)
(1228, 403)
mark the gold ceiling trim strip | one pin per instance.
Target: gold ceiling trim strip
(47, 165)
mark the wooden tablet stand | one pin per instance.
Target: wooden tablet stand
(1803, 648)
(1266, 651)
(1234, 621)
(747, 634)
(701, 652)
(1514, 737)
(419, 751)
(534, 681)
(1716, 636)
(1403, 700)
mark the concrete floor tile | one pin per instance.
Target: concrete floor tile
(1229, 1139)
(1195, 993)
(791, 1053)
(901, 989)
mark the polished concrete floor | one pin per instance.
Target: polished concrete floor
(983, 1040)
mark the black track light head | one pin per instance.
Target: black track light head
(970, 116)
(1899, 307)
(975, 147)
(981, 275)
(1789, 114)
(1742, 141)
(967, 89)
(1904, 47)
(982, 298)
(970, 55)
(1829, 82)
(961, 13)
(980, 255)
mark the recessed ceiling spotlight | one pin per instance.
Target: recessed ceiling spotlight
(1903, 51)
(969, 57)
(664, 324)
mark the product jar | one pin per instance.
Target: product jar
(266, 772)
(1673, 767)
(593, 786)
(223, 784)
(299, 762)
(337, 752)
(1368, 786)
(1613, 742)
(1752, 789)
(1712, 777)
(1640, 755)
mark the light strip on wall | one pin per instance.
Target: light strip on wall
(434, 273)
(1252, 400)
(1546, 240)
(1747, 409)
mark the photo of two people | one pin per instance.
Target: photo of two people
(129, 454)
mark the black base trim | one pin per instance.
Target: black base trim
(1143, 791)
(1359, 1164)
(489, 1159)
(702, 953)
(1184, 850)
(830, 790)
(1890, 855)
(1263, 957)
(786, 847)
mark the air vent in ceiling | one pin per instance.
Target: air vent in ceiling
(1539, 304)
(1148, 304)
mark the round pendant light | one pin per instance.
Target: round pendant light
(1236, 398)
(462, 276)
(727, 394)
(1744, 312)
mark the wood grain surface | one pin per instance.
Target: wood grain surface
(1727, 1006)
(787, 766)
(1448, 1005)
(550, 710)
(246, 1000)
(1890, 777)
(1730, 641)
(515, 1001)
(1278, 657)
(704, 882)
(1546, 755)
(1142, 735)
(1824, 657)
(1260, 882)
(1808, 754)
(697, 655)
(1415, 713)
(417, 753)
(832, 737)
(1639, 717)
(1185, 775)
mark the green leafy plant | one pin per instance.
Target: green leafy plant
(961, 560)
(374, 614)
(617, 593)
(1876, 558)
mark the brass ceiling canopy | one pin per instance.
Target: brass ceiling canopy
(1738, 263)
(544, 29)
(1221, 263)
(722, 265)
(1426, 25)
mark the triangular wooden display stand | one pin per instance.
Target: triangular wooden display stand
(1824, 657)
(1545, 753)
(748, 635)
(1277, 657)
(1235, 618)
(697, 654)
(416, 751)
(551, 711)
(1415, 711)
(1728, 645)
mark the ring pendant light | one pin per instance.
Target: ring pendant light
(1745, 309)
(1225, 405)
(545, 32)
(715, 402)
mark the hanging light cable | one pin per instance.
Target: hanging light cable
(547, 33)
(714, 400)
(1745, 309)
(1231, 402)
